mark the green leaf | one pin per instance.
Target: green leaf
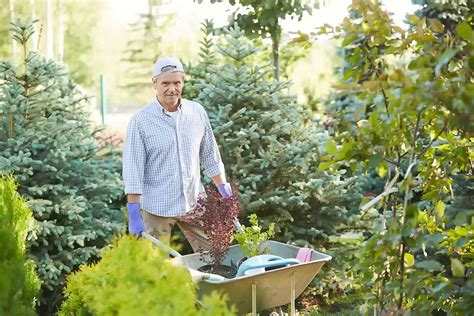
(468, 255)
(460, 219)
(439, 209)
(460, 243)
(382, 170)
(409, 260)
(325, 165)
(349, 39)
(374, 161)
(436, 25)
(331, 147)
(444, 59)
(398, 29)
(413, 19)
(439, 287)
(464, 31)
(457, 268)
(430, 195)
(429, 265)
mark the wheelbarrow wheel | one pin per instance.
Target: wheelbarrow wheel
(277, 311)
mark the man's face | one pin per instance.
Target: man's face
(169, 86)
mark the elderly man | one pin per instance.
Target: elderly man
(167, 142)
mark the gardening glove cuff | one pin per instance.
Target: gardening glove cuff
(135, 222)
(225, 190)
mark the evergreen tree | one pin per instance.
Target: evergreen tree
(19, 283)
(146, 45)
(47, 142)
(207, 59)
(269, 146)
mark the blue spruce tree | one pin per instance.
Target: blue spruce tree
(268, 143)
(48, 144)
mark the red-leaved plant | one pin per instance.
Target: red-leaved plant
(214, 215)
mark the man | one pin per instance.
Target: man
(167, 142)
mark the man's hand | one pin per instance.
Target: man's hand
(135, 223)
(225, 190)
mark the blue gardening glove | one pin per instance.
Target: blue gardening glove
(225, 190)
(135, 223)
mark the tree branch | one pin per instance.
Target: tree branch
(435, 138)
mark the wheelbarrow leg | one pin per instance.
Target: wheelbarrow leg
(293, 294)
(254, 299)
(278, 310)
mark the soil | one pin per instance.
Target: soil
(308, 301)
(223, 270)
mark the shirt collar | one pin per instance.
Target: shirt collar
(163, 110)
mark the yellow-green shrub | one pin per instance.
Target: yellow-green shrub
(19, 283)
(134, 278)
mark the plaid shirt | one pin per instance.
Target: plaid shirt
(163, 154)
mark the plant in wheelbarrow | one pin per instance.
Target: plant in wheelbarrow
(252, 238)
(215, 216)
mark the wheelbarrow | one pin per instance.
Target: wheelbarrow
(264, 289)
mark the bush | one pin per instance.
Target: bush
(19, 283)
(134, 278)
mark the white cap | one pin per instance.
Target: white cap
(167, 64)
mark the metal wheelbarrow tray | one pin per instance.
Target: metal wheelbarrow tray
(266, 290)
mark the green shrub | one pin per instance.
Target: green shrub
(19, 283)
(71, 183)
(252, 237)
(134, 278)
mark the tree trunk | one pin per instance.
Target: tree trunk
(276, 56)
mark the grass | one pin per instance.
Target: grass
(344, 312)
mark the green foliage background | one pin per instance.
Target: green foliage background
(77, 44)
(407, 97)
(403, 109)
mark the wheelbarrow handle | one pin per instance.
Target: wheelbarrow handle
(237, 225)
(172, 252)
(196, 275)
(278, 263)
